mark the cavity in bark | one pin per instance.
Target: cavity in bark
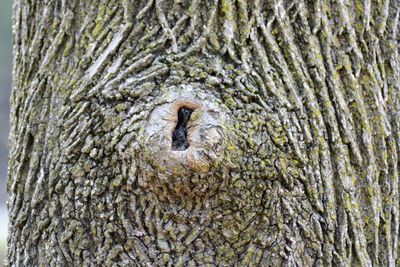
(179, 136)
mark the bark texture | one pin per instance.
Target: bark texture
(294, 136)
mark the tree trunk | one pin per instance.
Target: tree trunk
(205, 132)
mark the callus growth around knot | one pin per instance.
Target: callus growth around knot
(187, 133)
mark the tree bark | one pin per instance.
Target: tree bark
(205, 132)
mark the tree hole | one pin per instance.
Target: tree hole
(179, 136)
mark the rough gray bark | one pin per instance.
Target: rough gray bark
(294, 138)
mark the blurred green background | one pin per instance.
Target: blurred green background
(5, 88)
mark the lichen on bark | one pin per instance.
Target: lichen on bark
(302, 97)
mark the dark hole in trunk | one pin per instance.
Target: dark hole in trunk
(179, 136)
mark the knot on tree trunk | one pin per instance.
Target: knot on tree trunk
(187, 133)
